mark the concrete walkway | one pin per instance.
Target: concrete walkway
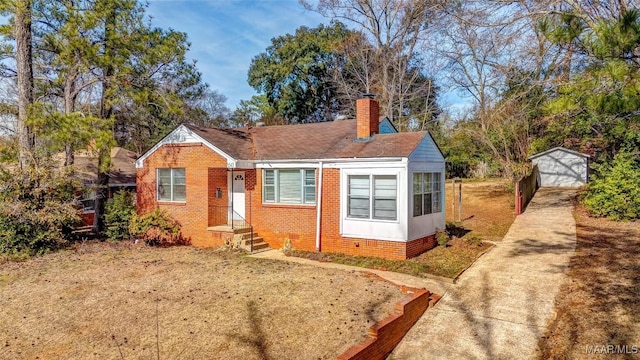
(500, 307)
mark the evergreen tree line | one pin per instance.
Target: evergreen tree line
(82, 75)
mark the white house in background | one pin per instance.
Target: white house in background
(560, 167)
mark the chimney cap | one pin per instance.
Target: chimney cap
(368, 96)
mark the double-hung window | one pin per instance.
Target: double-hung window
(427, 193)
(171, 184)
(372, 197)
(359, 196)
(289, 186)
(437, 193)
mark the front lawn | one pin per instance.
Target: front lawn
(103, 301)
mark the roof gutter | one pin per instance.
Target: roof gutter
(337, 160)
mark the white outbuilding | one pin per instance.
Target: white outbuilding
(561, 167)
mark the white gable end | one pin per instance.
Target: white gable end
(562, 168)
(183, 135)
(426, 151)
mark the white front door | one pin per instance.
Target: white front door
(237, 194)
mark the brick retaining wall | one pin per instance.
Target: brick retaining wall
(387, 333)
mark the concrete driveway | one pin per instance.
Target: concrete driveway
(501, 306)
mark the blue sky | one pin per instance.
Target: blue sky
(226, 34)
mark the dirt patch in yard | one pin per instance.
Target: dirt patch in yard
(487, 208)
(599, 305)
(105, 301)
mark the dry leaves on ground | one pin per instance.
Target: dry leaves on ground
(115, 302)
(487, 207)
(599, 305)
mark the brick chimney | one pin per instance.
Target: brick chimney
(367, 117)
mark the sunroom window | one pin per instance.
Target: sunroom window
(381, 197)
(427, 193)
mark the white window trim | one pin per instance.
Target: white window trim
(276, 182)
(371, 198)
(373, 229)
(439, 192)
(170, 186)
(434, 175)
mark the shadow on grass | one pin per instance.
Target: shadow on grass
(457, 229)
(375, 305)
(256, 338)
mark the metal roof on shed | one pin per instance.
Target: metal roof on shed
(558, 148)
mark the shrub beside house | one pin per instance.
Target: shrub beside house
(122, 176)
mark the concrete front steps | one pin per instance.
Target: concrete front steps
(241, 237)
(259, 245)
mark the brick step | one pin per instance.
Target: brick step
(258, 243)
(242, 231)
(82, 229)
(255, 251)
(260, 246)
(247, 235)
(256, 240)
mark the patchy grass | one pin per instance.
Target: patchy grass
(599, 304)
(446, 261)
(487, 208)
(103, 300)
(449, 261)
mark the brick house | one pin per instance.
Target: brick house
(349, 186)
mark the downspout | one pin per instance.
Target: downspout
(231, 214)
(319, 207)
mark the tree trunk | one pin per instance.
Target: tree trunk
(102, 188)
(69, 108)
(24, 62)
(104, 153)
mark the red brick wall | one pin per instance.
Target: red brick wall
(275, 222)
(206, 171)
(201, 181)
(386, 334)
(217, 209)
(418, 246)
